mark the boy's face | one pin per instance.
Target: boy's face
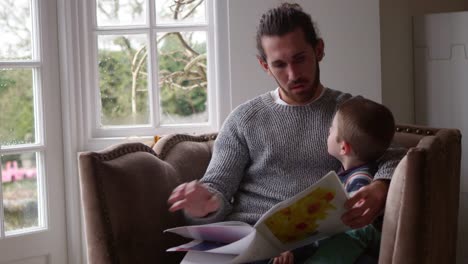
(334, 146)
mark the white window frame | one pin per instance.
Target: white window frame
(96, 136)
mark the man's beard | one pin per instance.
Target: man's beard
(315, 85)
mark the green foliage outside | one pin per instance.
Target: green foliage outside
(182, 82)
(116, 85)
(182, 78)
(16, 113)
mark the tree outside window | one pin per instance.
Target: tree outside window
(124, 61)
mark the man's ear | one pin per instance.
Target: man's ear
(320, 49)
(345, 148)
(264, 64)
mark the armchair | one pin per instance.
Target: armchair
(124, 190)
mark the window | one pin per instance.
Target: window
(21, 134)
(149, 67)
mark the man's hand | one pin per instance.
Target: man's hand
(194, 198)
(285, 258)
(366, 204)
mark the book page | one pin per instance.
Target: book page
(234, 248)
(223, 232)
(259, 249)
(196, 257)
(250, 248)
(311, 215)
(197, 245)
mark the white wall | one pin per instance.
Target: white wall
(397, 50)
(397, 59)
(351, 32)
(441, 88)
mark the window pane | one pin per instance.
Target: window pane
(121, 12)
(183, 77)
(180, 11)
(123, 79)
(20, 191)
(15, 30)
(17, 107)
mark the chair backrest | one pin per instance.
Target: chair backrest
(420, 224)
(124, 192)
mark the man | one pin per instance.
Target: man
(274, 146)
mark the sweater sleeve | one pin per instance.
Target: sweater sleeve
(226, 169)
(388, 162)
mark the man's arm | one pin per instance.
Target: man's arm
(210, 199)
(194, 198)
(366, 204)
(369, 201)
(388, 162)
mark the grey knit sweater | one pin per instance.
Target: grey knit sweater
(267, 152)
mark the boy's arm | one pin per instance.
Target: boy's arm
(369, 201)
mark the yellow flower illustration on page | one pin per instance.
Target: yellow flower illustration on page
(299, 220)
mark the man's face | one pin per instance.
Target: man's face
(294, 64)
(334, 146)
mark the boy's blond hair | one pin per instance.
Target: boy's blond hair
(367, 126)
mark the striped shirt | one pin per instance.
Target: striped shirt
(355, 178)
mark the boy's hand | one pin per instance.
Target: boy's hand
(285, 258)
(366, 204)
(194, 198)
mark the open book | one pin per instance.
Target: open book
(311, 215)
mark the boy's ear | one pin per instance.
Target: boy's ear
(264, 64)
(345, 148)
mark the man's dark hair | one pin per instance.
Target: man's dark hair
(284, 19)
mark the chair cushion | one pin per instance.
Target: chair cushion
(124, 192)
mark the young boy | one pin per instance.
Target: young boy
(360, 133)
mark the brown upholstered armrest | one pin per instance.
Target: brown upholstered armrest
(420, 224)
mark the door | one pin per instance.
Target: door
(32, 207)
